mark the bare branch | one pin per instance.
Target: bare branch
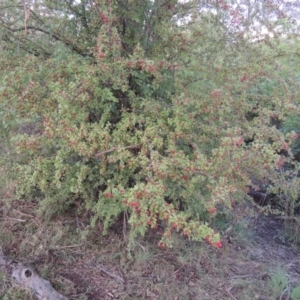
(55, 36)
(112, 275)
(99, 154)
(27, 15)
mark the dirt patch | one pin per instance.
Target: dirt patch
(269, 235)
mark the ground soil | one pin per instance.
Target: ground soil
(103, 268)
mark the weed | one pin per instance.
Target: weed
(278, 281)
(295, 295)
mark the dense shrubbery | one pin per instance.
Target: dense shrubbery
(134, 113)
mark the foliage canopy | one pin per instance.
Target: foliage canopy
(161, 110)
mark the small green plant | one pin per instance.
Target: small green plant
(295, 295)
(14, 293)
(280, 286)
(278, 281)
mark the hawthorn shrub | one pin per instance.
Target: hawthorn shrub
(152, 119)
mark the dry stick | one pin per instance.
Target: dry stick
(125, 220)
(228, 292)
(13, 219)
(68, 246)
(248, 275)
(27, 215)
(21, 213)
(26, 277)
(99, 154)
(112, 275)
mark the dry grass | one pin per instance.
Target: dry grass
(100, 267)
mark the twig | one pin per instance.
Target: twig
(21, 213)
(112, 275)
(297, 220)
(27, 215)
(27, 14)
(69, 246)
(125, 220)
(201, 173)
(228, 292)
(13, 219)
(249, 275)
(79, 223)
(99, 154)
(55, 36)
(143, 248)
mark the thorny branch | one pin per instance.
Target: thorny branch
(99, 154)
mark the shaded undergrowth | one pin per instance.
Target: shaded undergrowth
(255, 262)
